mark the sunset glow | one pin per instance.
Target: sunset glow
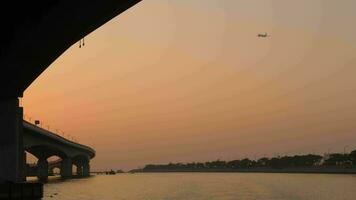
(181, 81)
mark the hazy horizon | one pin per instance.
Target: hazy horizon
(181, 81)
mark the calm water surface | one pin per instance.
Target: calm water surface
(206, 186)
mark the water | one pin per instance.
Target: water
(206, 186)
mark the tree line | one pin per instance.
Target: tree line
(309, 160)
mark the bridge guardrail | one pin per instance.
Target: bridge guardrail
(58, 137)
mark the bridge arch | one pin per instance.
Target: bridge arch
(45, 151)
(29, 158)
(54, 165)
(30, 162)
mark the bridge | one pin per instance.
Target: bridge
(32, 170)
(33, 35)
(44, 144)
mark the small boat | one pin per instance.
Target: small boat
(111, 172)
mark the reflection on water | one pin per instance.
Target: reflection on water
(206, 186)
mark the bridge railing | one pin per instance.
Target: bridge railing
(55, 136)
(49, 128)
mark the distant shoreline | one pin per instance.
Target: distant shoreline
(324, 170)
(335, 163)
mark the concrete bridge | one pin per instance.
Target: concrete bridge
(32, 170)
(33, 35)
(44, 144)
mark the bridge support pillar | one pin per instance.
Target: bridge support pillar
(42, 169)
(66, 168)
(50, 172)
(11, 142)
(80, 170)
(86, 169)
(24, 166)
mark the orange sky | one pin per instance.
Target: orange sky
(190, 81)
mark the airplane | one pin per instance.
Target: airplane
(262, 35)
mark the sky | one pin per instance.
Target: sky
(181, 81)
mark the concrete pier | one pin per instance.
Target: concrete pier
(79, 170)
(86, 169)
(11, 143)
(29, 191)
(66, 168)
(42, 169)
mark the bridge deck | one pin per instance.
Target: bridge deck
(40, 132)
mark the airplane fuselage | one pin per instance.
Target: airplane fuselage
(262, 35)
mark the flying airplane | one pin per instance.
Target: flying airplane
(262, 35)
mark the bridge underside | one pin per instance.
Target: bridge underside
(34, 34)
(44, 168)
